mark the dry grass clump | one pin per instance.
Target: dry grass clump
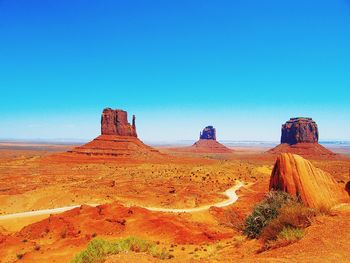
(264, 212)
(278, 220)
(288, 226)
(98, 249)
(285, 237)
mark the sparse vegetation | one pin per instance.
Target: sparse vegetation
(287, 236)
(291, 234)
(264, 212)
(278, 220)
(291, 216)
(98, 249)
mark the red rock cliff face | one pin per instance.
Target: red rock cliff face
(298, 177)
(115, 122)
(299, 130)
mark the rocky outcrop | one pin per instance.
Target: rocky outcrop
(300, 136)
(298, 177)
(347, 187)
(118, 138)
(207, 143)
(299, 130)
(115, 122)
(208, 133)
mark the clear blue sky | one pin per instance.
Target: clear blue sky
(243, 66)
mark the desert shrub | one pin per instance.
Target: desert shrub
(265, 211)
(287, 236)
(291, 234)
(98, 249)
(324, 210)
(293, 215)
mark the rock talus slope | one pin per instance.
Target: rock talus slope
(118, 138)
(207, 142)
(300, 136)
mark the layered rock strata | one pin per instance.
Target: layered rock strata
(300, 136)
(118, 138)
(298, 177)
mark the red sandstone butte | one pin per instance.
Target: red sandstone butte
(118, 138)
(207, 142)
(300, 136)
(115, 122)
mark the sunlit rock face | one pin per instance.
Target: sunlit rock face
(300, 136)
(118, 139)
(299, 130)
(115, 122)
(298, 177)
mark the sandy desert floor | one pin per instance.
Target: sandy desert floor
(36, 177)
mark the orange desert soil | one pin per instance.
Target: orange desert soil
(34, 179)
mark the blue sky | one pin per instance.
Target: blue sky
(244, 66)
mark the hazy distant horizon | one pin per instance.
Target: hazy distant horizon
(232, 143)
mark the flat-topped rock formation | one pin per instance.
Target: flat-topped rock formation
(300, 136)
(207, 142)
(115, 122)
(299, 130)
(208, 133)
(118, 138)
(298, 177)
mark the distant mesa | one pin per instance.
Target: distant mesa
(298, 177)
(300, 136)
(208, 133)
(207, 142)
(299, 130)
(118, 138)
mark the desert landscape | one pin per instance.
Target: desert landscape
(184, 204)
(174, 131)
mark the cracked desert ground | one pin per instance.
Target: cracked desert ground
(37, 177)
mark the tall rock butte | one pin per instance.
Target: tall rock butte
(208, 133)
(115, 122)
(300, 136)
(299, 130)
(298, 177)
(118, 138)
(207, 142)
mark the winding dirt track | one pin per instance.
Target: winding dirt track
(230, 193)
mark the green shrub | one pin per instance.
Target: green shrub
(265, 211)
(291, 234)
(292, 215)
(98, 249)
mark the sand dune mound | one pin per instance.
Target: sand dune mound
(298, 177)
